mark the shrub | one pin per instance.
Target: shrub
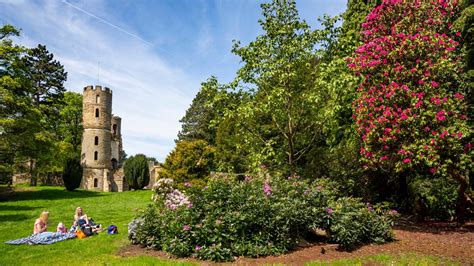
(137, 172)
(255, 217)
(353, 223)
(190, 161)
(72, 174)
(435, 198)
(411, 112)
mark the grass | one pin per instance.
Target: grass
(18, 214)
(411, 259)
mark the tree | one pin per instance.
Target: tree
(411, 112)
(137, 172)
(71, 120)
(196, 123)
(278, 67)
(72, 174)
(190, 161)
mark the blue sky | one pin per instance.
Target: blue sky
(153, 54)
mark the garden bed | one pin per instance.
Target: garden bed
(439, 239)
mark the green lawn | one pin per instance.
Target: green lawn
(18, 214)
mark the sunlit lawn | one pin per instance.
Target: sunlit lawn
(18, 214)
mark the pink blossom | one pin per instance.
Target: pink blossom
(197, 248)
(402, 151)
(458, 96)
(329, 211)
(186, 228)
(267, 189)
(434, 84)
(440, 115)
(406, 160)
(418, 104)
(421, 82)
(187, 184)
(384, 158)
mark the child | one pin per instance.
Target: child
(40, 223)
(61, 228)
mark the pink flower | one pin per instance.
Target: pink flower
(384, 158)
(197, 248)
(186, 228)
(190, 205)
(434, 84)
(406, 160)
(432, 170)
(440, 115)
(421, 82)
(402, 151)
(267, 189)
(187, 184)
(418, 104)
(329, 211)
(318, 188)
(459, 96)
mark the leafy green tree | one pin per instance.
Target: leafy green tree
(71, 120)
(196, 123)
(279, 71)
(137, 172)
(190, 161)
(72, 174)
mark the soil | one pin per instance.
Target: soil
(439, 239)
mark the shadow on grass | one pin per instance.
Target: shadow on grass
(14, 217)
(19, 208)
(51, 194)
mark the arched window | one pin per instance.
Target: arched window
(97, 112)
(96, 182)
(97, 98)
(96, 140)
(96, 156)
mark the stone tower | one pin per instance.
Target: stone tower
(101, 141)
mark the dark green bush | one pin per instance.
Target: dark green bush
(434, 198)
(72, 174)
(230, 218)
(353, 223)
(137, 172)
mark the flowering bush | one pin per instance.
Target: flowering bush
(255, 217)
(411, 109)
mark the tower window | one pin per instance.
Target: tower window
(96, 140)
(96, 156)
(115, 129)
(96, 182)
(97, 98)
(97, 112)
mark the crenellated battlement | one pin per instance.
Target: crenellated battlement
(97, 88)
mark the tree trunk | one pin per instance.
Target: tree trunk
(463, 198)
(32, 173)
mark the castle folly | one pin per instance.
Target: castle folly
(101, 142)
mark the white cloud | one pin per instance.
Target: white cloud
(149, 94)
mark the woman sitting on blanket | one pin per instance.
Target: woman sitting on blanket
(81, 220)
(40, 223)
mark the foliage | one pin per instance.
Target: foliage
(137, 172)
(354, 223)
(435, 197)
(277, 69)
(72, 174)
(411, 109)
(196, 123)
(71, 120)
(255, 217)
(190, 161)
